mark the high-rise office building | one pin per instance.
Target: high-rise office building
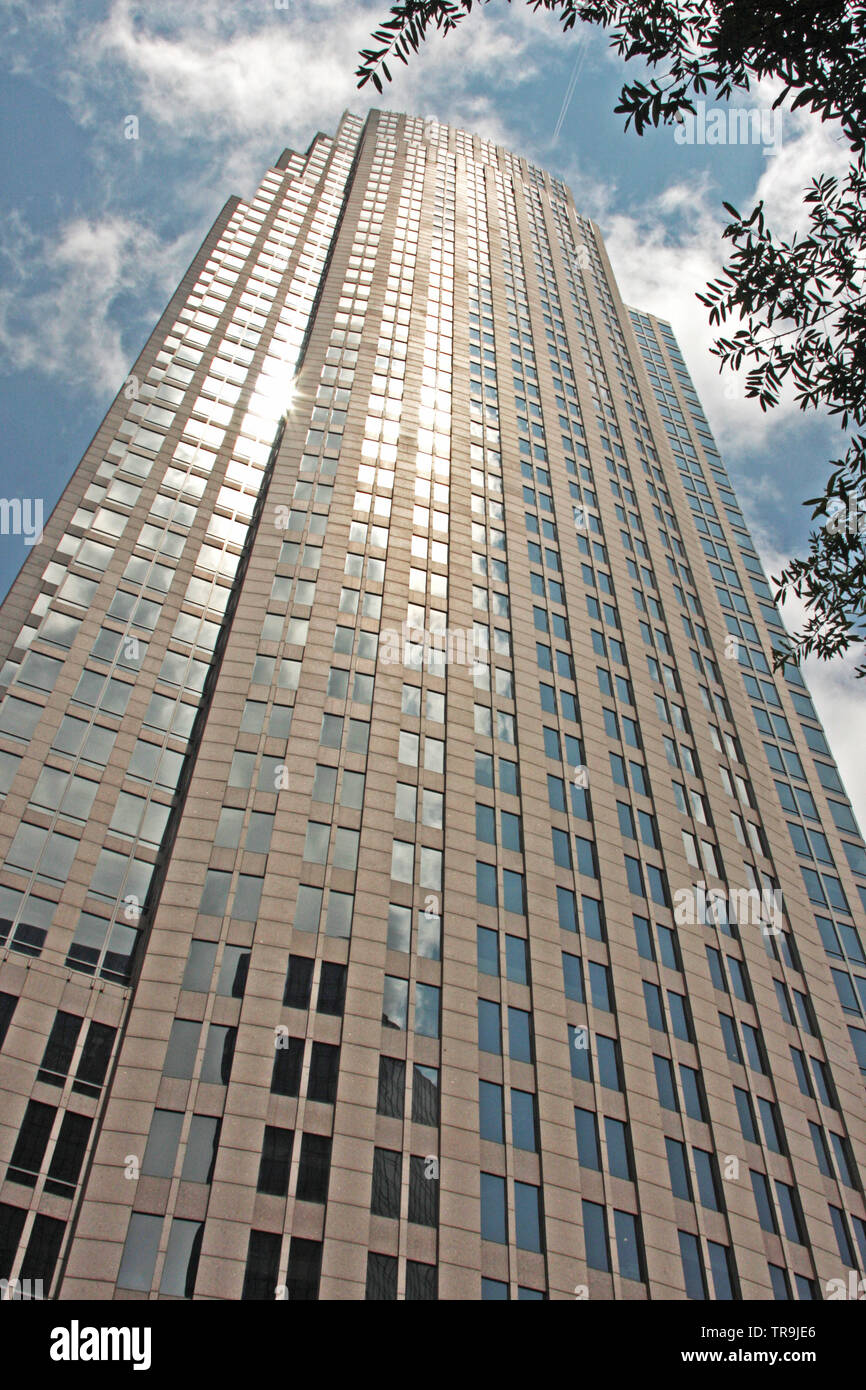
(414, 880)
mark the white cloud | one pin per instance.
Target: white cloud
(808, 146)
(660, 256)
(193, 69)
(670, 249)
(837, 694)
(218, 90)
(59, 305)
(838, 698)
(240, 80)
(231, 84)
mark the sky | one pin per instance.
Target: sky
(96, 229)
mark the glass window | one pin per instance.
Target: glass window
(516, 959)
(493, 1290)
(595, 1236)
(399, 927)
(139, 1252)
(489, 1026)
(792, 1219)
(599, 982)
(709, 1187)
(199, 966)
(332, 988)
(228, 831)
(678, 1169)
(781, 1283)
(182, 1047)
(427, 1010)
(299, 979)
(485, 884)
(276, 1158)
(314, 1168)
(840, 1229)
(402, 860)
(665, 1083)
(588, 1151)
(771, 1125)
(680, 1020)
(523, 1120)
(308, 908)
(566, 908)
(423, 1191)
(763, 1202)
(693, 1268)
(201, 1149)
(392, 1086)
(421, 1281)
(162, 1143)
(618, 1149)
(214, 898)
(519, 1035)
(60, 1046)
(288, 1057)
(844, 1159)
(324, 783)
(218, 1054)
(693, 1094)
(232, 977)
(395, 1002)
(527, 1216)
(607, 1054)
(746, 1114)
(95, 1057)
(629, 1249)
(316, 842)
(424, 1094)
(262, 1271)
(572, 977)
(493, 1222)
(513, 892)
(653, 1002)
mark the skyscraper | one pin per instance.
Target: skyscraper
(414, 880)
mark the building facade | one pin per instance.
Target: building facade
(414, 880)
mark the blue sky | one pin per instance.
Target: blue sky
(97, 229)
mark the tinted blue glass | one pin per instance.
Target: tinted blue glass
(595, 1236)
(513, 894)
(692, 1093)
(607, 1054)
(708, 1187)
(578, 1048)
(489, 1031)
(600, 986)
(493, 1208)
(488, 951)
(588, 1154)
(523, 1123)
(618, 1155)
(678, 1169)
(516, 964)
(721, 1268)
(766, 1215)
(693, 1269)
(485, 884)
(628, 1248)
(527, 1216)
(490, 1111)
(519, 1035)
(572, 976)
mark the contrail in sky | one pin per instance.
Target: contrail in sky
(572, 83)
